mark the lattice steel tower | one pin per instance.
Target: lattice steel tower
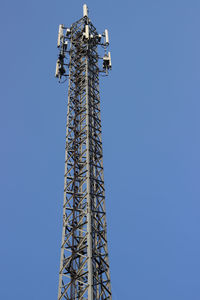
(84, 267)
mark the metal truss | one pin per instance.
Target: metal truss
(84, 267)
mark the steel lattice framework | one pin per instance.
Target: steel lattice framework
(84, 267)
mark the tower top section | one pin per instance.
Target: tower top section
(83, 35)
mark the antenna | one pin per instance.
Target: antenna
(87, 32)
(85, 10)
(109, 56)
(60, 34)
(106, 37)
(57, 69)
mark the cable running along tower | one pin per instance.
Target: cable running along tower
(84, 267)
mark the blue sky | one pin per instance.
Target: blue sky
(150, 116)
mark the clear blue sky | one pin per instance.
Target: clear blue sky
(150, 116)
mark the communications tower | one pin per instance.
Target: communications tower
(84, 267)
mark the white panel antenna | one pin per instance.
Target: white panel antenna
(60, 34)
(109, 56)
(87, 32)
(106, 37)
(57, 68)
(85, 10)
